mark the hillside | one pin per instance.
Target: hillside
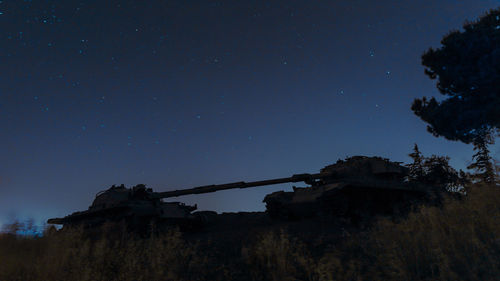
(459, 241)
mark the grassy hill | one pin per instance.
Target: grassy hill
(459, 241)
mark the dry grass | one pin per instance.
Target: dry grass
(460, 241)
(279, 257)
(72, 256)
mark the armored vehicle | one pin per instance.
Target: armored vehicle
(357, 184)
(138, 206)
(357, 187)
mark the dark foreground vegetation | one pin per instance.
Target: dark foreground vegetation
(460, 241)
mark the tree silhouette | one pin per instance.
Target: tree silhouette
(483, 165)
(435, 170)
(416, 172)
(467, 67)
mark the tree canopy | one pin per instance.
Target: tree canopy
(467, 68)
(435, 170)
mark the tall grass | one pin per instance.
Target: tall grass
(72, 255)
(277, 256)
(459, 241)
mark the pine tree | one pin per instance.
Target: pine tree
(467, 74)
(416, 168)
(483, 162)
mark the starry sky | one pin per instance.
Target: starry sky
(176, 94)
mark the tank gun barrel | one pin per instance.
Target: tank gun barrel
(241, 184)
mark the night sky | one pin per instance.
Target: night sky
(176, 94)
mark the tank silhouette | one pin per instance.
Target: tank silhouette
(357, 184)
(138, 206)
(357, 187)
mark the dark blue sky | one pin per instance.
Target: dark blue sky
(176, 94)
